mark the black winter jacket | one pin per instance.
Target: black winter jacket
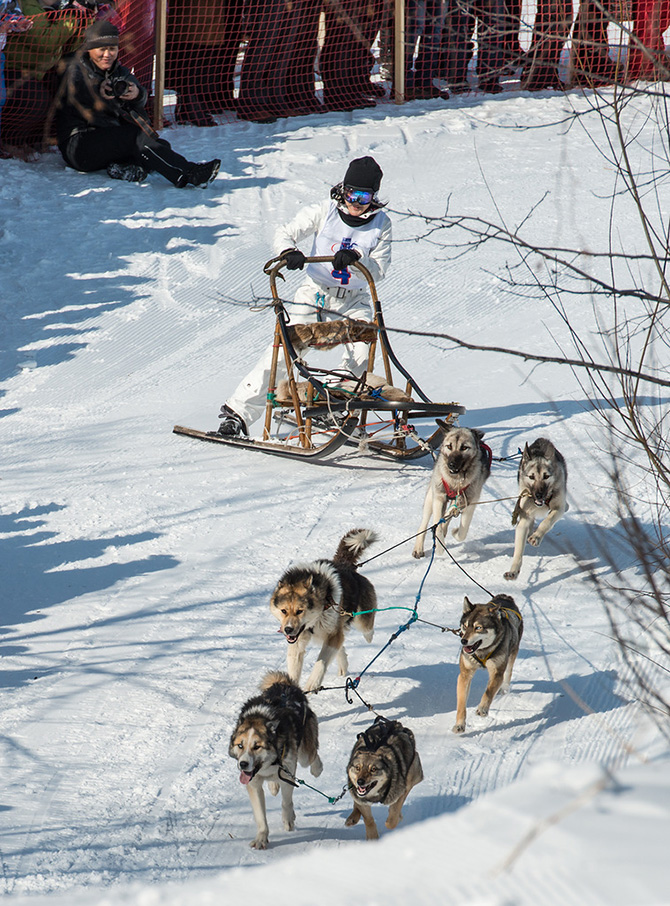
(81, 106)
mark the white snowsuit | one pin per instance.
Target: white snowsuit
(326, 294)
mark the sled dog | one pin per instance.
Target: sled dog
(275, 730)
(383, 767)
(462, 466)
(320, 600)
(542, 480)
(490, 637)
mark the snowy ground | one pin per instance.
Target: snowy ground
(137, 565)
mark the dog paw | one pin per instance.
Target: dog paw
(459, 534)
(316, 767)
(483, 711)
(504, 689)
(418, 553)
(535, 539)
(371, 833)
(393, 822)
(289, 821)
(511, 574)
(273, 786)
(353, 818)
(261, 842)
(458, 728)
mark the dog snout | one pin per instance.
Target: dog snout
(540, 494)
(455, 464)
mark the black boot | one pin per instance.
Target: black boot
(201, 175)
(157, 154)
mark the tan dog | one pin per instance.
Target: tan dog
(490, 638)
(320, 601)
(383, 767)
(462, 466)
(275, 730)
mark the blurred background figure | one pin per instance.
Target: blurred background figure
(12, 22)
(647, 58)
(32, 72)
(203, 39)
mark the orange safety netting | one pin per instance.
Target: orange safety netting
(262, 59)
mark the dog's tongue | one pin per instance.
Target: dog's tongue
(245, 777)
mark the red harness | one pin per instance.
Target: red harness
(451, 494)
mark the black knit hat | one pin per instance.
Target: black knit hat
(363, 173)
(101, 34)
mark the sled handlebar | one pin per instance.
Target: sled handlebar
(273, 269)
(274, 266)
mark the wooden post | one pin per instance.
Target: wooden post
(399, 53)
(159, 74)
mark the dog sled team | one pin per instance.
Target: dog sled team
(320, 601)
(277, 730)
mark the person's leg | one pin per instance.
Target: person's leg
(551, 28)
(250, 396)
(457, 45)
(97, 148)
(491, 56)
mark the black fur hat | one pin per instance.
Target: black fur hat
(101, 34)
(363, 173)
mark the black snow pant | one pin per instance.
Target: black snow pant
(96, 148)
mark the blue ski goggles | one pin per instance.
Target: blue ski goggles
(358, 196)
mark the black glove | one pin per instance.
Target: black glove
(343, 258)
(294, 258)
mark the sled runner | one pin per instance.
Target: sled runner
(315, 411)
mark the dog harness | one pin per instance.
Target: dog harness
(449, 491)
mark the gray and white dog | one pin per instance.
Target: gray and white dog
(543, 477)
(462, 466)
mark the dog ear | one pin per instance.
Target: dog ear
(467, 605)
(479, 435)
(525, 456)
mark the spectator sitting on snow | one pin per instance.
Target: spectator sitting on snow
(352, 225)
(101, 121)
(12, 20)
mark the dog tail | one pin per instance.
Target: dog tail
(274, 677)
(352, 546)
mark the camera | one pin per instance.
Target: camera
(117, 86)
(90, 5)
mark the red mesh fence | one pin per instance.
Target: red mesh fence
(262, 59)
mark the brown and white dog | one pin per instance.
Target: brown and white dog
(274, 732)
(383, 767)
(490, 638)
(320, 601)
(462, 467)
